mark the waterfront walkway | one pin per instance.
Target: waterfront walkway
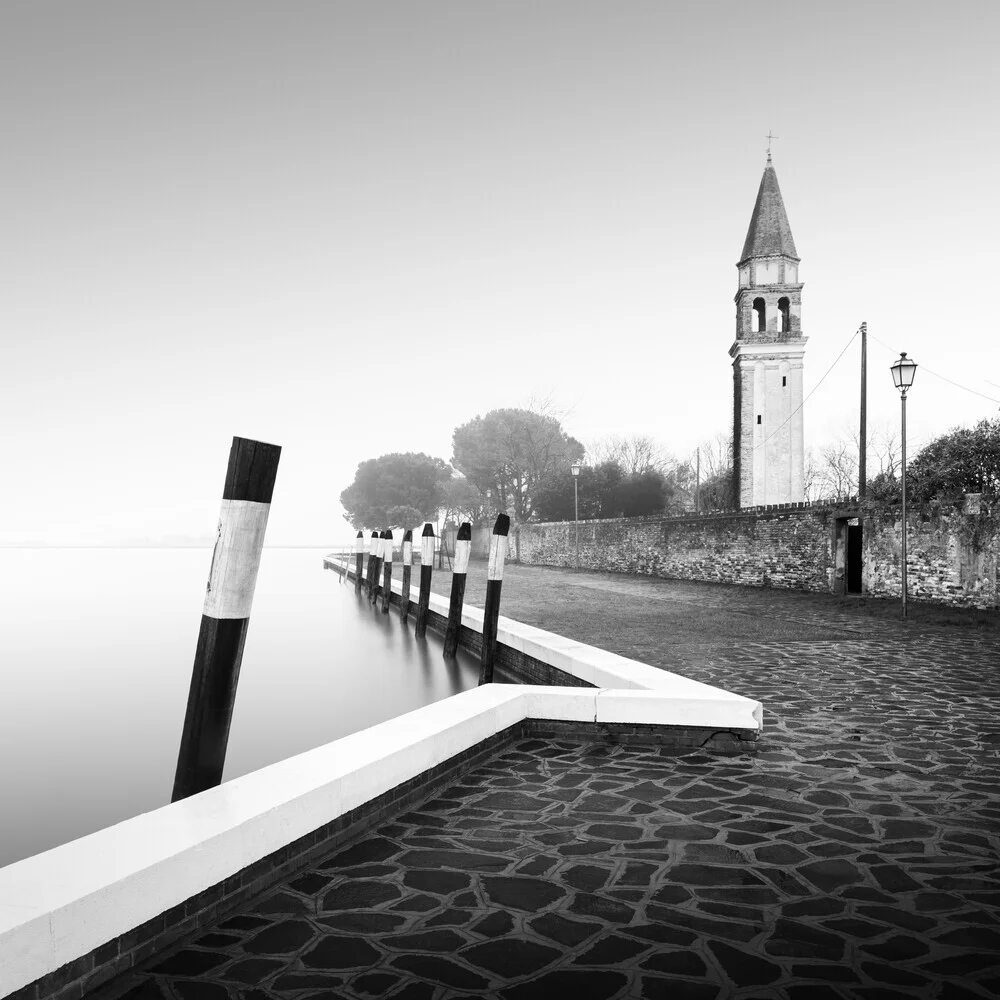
(855, 855)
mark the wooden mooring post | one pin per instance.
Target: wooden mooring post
(387, 563)
(426, 569)
(372, 549)
(232, 576)
(377, 574)
(459, 573)
(359, 559)
(377, 571)
(491, 613)
(406, 555)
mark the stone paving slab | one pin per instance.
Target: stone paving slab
(856, 855)
(599, 871)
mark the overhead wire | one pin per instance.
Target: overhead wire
(929, 371)
(811, 391)
(834, 365)
(944, 378)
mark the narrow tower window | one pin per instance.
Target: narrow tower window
(785, 322)
(784, 380)
(760, 320)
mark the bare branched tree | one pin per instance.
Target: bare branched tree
(716, 455)
(837, 475)
(832, 470)
(636, 454)
(810, 475)
(883, 449)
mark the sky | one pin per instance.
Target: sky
(348, 228)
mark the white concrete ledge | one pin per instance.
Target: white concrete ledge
(62, 904)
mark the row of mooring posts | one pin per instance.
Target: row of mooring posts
(380, 563)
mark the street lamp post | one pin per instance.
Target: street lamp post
(575, 469)
(903, 372)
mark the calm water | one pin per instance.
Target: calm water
(96, 648)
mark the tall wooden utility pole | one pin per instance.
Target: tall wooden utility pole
(863, 440)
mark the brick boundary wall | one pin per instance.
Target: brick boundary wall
(952, 549)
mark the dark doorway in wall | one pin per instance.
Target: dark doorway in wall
(854, 552)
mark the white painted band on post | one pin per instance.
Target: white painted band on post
(387, 552)
(407, 553)
(427, 550)
(359, 546)
(235, 559)
(380, 549)
(498, 553)
(373, 545)
(462, 550)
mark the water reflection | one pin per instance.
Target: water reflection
(441, 676)
(93, 710)
(417, 650)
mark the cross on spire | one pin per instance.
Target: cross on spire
(769, 138)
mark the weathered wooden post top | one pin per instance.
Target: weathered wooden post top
(494, 581)
(426, 569)
(372, 553)
(406, 556)
(376, 572)
(359, 559)
(387, 562)
(463, 548)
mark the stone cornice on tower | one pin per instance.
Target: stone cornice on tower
(793, 348)
(769, 234)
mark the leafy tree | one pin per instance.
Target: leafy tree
(717, 492)
(556, 501)
(404, 516)
(884, 488)
(646, 465)
(511, 452)
(461, 501)
(605, 490)
(554, 498)
(394, 491)
(965, 460)
(642, 494)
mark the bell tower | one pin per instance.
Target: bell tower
(768, 459)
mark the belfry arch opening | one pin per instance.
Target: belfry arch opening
(759, 316)
(784, 316)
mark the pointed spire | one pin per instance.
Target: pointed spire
(769, 231)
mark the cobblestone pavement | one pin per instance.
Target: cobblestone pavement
(855, 855)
